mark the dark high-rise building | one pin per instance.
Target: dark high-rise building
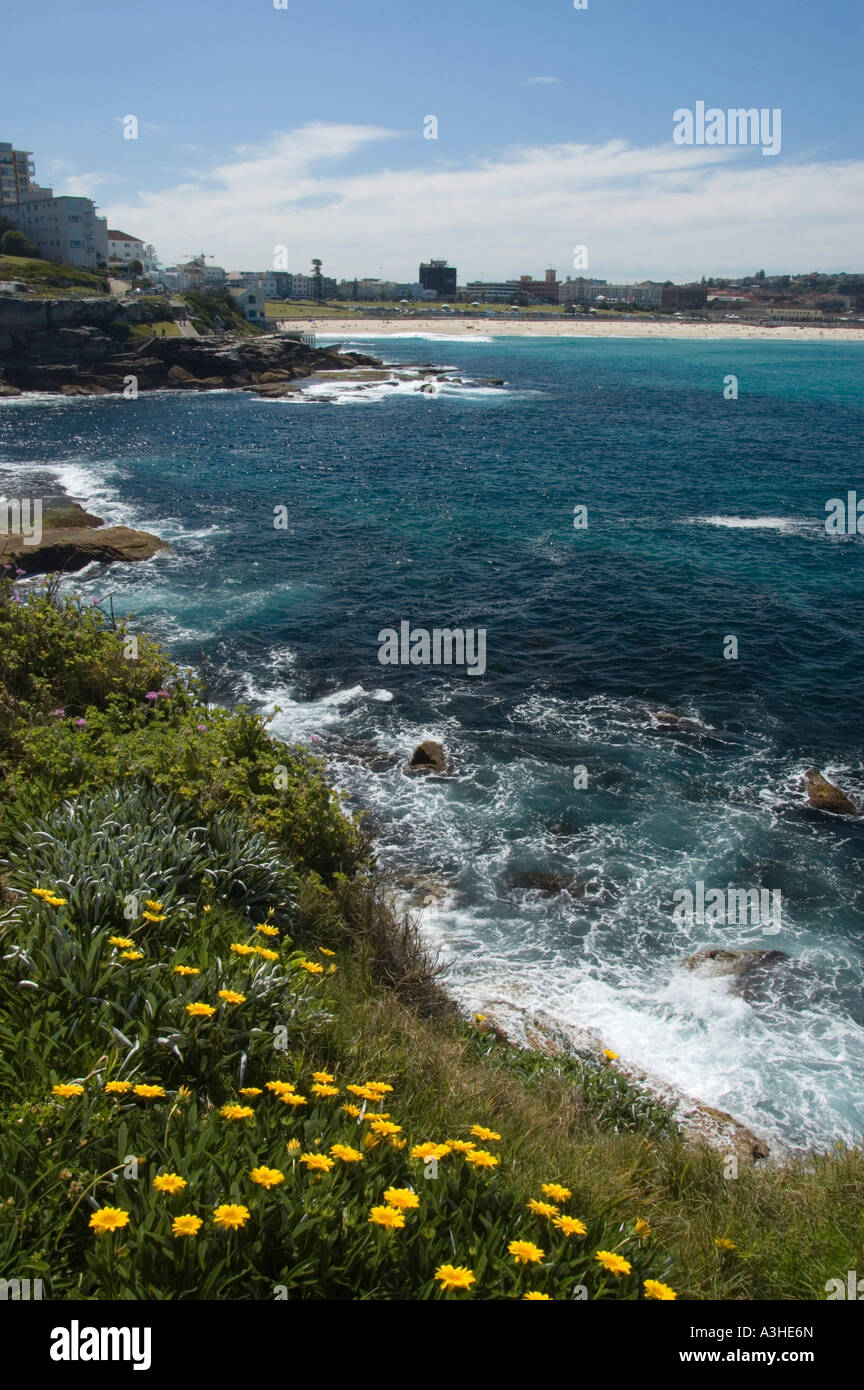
(440, 277)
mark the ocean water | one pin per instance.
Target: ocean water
(706, 519)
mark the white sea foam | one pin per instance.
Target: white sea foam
(787, 524)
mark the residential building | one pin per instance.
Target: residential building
(539, 291)
(678, 297)
(577, 291)
(17, 173)
(64, 229)
(648, 296)
(440, 277)
(124, 247)
(250, 300)
(491, 291)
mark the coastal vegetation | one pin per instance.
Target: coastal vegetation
(231, 1070)
(47, 277)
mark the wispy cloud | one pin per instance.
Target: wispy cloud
(538, 81)
(665, 211)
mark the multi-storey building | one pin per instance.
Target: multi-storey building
(64, 229)
(440, 277)
(17, 172)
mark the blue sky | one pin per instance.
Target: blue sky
(304, 127)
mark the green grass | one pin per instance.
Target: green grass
(146, 814)
(49, 276)
(142, 332)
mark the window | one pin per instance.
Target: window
(76, 243)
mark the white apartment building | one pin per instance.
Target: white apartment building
(64, 229)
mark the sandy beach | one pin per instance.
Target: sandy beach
(569, 328)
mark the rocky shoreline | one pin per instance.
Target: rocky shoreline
(86, 361)
(69, 539)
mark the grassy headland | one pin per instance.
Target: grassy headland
(229, 1070)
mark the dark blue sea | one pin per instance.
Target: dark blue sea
(606, 650)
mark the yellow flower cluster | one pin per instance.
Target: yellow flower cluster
(52, 899)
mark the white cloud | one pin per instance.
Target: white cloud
(83, 185)
(666, 211)
(538, 81)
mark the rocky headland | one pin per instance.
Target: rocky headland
(69, 539)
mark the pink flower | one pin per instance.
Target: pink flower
(202, 728)
(80, 723)
(58, 713)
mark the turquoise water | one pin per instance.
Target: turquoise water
(705, 520)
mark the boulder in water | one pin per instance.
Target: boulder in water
(747, 967)
(428, 756)
(824, 796)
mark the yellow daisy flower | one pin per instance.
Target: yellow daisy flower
(481, 1158)
(317, 1163)
(186, 970)
(267, 1177)
(612, 1262)
(200, 1010)
(236, 1112)
(555, 1192)
(429, 1150)
(542, 1208)
(232, 997)
(346, 1153)
(402, 1198)
(570, 1226)
(454, 1277)
(387, 1217)
(117, 1088)
(187, 1225)
(533, 1296)
(231, 1216)
(525, 1252)
(662, 1292)
(108, 1219)
(148, 1092)
(123, 943)
(169, 1182)
(66, 1090)
(481, 1132)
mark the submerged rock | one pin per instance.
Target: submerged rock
(747, 967)
(824, 796)
(428, 756)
